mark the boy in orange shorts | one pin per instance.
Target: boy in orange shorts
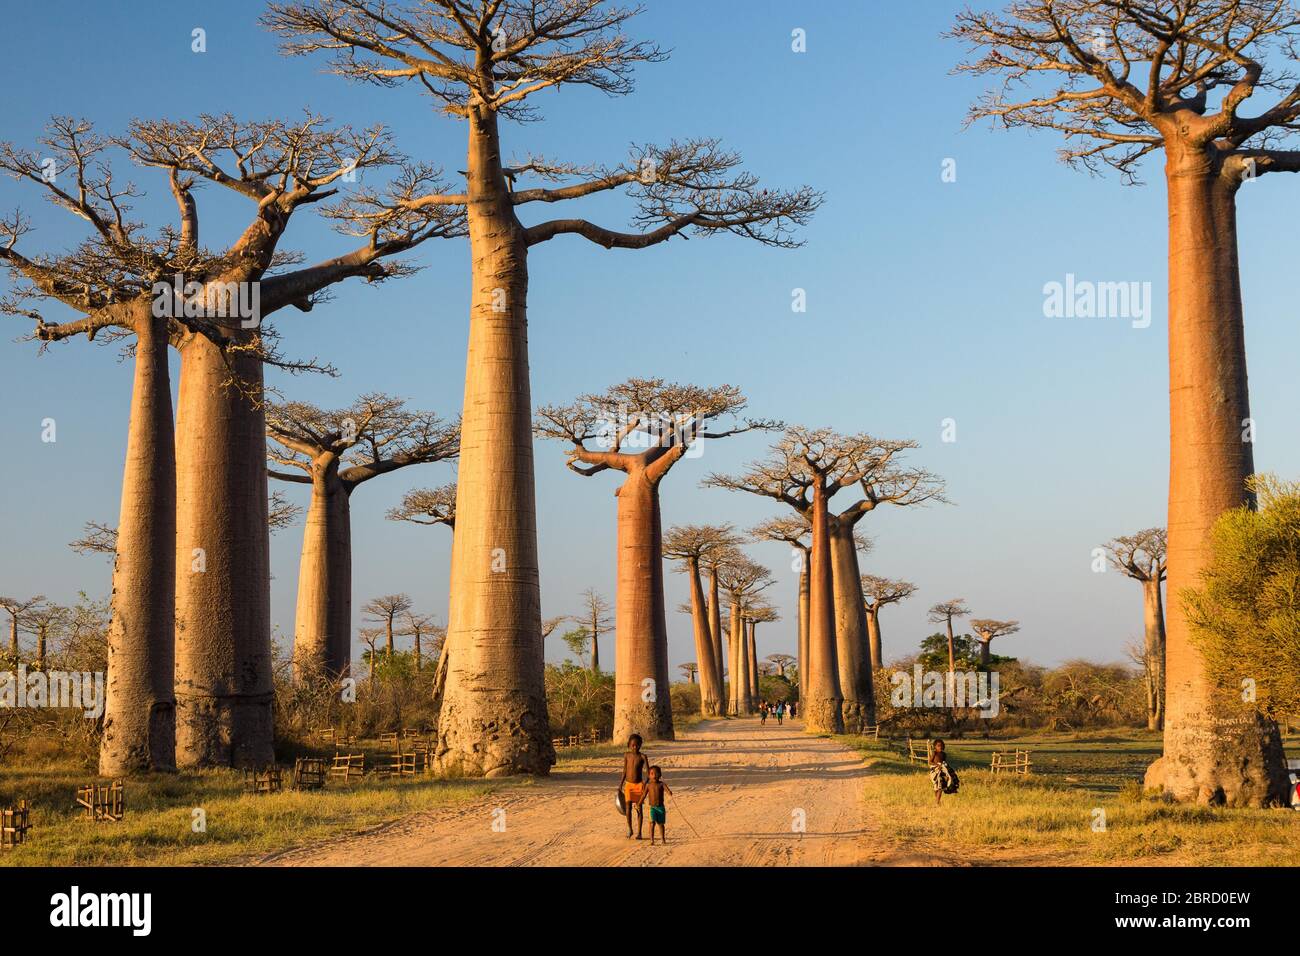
(635, 771)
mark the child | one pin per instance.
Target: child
(633, 783)
(654, 792)
(780, 711)
(762, 713)
(941, 775)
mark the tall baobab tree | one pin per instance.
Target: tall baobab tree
(876, 593)
(595, 618)
(690, 670)
(482, 61)
(1141, 556)
(757, 613)
(417, 627)
(742, 579)
(795, 531)
(18, 609)
(1122, 81)
(692, 545)
(641, 428)
(384, 611)
(335, 451)
(169, 287)
(944, 613)
(986, 629)
(780, 662)
(805, 470)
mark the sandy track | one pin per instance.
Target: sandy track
(737, 782)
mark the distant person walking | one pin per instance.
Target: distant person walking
(762, 713)
(780, 711)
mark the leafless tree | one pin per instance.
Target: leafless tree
(742, 579)
(1142, 557)
(642, 428)
(780, 662)
(694, 546)
(480, 61)
(1120, 80)
(757, 612)
(876, 593)
(335, 451)
(418, 626)
(429, 506)
(370, 637)
(944, 613)
(18, 610)
(805, 470)
(384, 611)
(690, 670)
(986, 629)
(45, 622)
(595, 618)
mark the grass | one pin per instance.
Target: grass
(1050, 816)
(158, 828)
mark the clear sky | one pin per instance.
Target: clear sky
(925, 302)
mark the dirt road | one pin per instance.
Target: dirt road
(755, 796)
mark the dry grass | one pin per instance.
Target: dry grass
(1048, 817)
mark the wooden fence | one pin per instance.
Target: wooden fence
(15, 821)
(1010, 761)
(103, 802)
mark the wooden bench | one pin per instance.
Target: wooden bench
(15, 821)
(266, 780)
(348, 766)
(1010, 761)
(309, 773)
(103, 802)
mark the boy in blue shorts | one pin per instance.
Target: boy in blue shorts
(655, 789)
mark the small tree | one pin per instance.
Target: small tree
(944, 613)
(1142, 557)
(986, 629)
(45, 622)
(385, 611)
(780, 662)
(577, 641)
(690, 670)
(418, 627)
(876, 593)
(18, 610)
(595, 618)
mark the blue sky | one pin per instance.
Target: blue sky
(924, 303)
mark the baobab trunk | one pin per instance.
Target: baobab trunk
(322, 633)
(641, 701)
(741, 703)
(493, 720)
(1154, 615)
(1217, 748)
(873, 637)
(952, 648)
(710, 693)
(715, 626)
(140, 702)
(39, 663)
(223, 626)
(751, 652)
(985, 650)
(851, 652)
(822, 711)
(595, 652)
(803, 629)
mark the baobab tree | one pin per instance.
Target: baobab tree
(690, 670)
(805, 470)
(336, 451)
(1141, 556)
(876, 593)
(43, 622)
(481, 61)
(692, 545)
(944, 613)
(370, 637)
(384, 611)
(795, 531)
(595, 618)
(641, 428)
(1122, 81)
(742, 579)
(431, 506)
(780, 662)
(758, 612)
(417, 627)
(169, 287)
(18, 609)
(986, 629)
